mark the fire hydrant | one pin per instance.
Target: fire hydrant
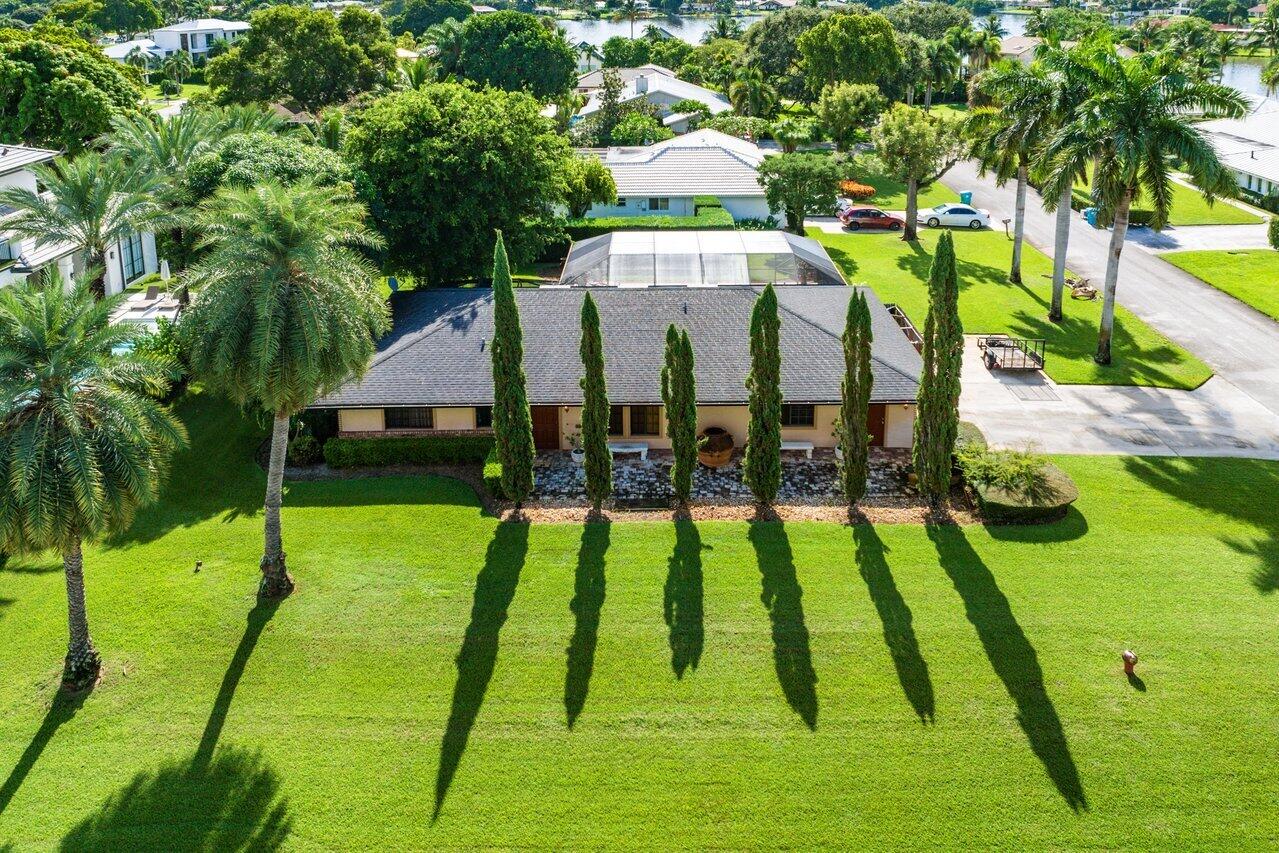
(1130, 661)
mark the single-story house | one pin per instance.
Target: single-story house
(195, 37)
(432, 374)
(663, 92)
(594, 80)
(665, 178)
(697, 259)
(1249, 146)
(1022, 48)
(126, 260)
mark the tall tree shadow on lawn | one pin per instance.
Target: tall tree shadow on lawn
(588, 600)
(1075, 338)
(782, 596)
(1013, 658)
(1241, 489)
(6, 602)
(230, 803)
(682, 598)
(896, 619)
(494, 591)
(257, 621)
(64, 706)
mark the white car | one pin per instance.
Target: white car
(954, 215)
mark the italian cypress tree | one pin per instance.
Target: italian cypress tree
(599, 465)
(937, 419)
(512, 422)
(679, 393)
(763, 465)
(854, 412)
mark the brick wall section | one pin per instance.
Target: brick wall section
(392, 433)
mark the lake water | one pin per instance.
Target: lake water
(1244, 73)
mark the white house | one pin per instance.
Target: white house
(195, 37)
(665, 178)
(1249, 146)
(121, 51)
(593, 79)
(664, 91)
(125, 262)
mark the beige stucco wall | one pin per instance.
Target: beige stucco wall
(454, 418)
(360, 420)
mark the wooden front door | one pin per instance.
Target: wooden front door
(875, 421)
(546, 427)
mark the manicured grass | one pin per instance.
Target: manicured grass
(1249, 276)
(188, 89)
(950, 112)
(1189, 208)
(641, 686)
(898, 272)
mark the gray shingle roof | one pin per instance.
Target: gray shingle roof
(437, 353)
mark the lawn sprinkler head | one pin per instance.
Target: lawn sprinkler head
(1130, 661)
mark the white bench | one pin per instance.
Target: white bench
(806, 446)
(640, 447)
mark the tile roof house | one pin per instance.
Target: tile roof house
(664, 91)
(666, 177)
(126, 260)
(593, 80)
(433, 372)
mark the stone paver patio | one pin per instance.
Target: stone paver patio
(647, 483)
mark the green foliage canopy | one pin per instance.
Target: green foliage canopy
(513, 51)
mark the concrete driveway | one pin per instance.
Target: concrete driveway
(1027, 409)
(1192, 237)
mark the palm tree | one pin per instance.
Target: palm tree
(724, 28)
(979, 47)
(177, 65)
(83, 441)
(285, 312)
(1005, 135)
(992, 26)
(418, 73)
(91, 201)
(141, 60)
(752, 94)
(163, 148)
(248, 118)
(1270, 76)
(791, 133)
(1138, 119)
(1265, 33)
(1037, 23)
(1218, 52)
(627, 10)
(943, 69)
(445, 39)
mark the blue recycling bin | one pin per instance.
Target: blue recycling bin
(966, 197)
(1090, 214)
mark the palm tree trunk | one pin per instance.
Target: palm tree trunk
(1019, 221)
(80, 670)
(928, 96)
(910, 95)
(276, 582)
(1112, 279)
(1060, 243)
(912, 205)
(95, 259)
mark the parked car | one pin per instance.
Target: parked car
(955, 216)
(855, 218)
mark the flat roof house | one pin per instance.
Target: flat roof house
(126, 260)
(433, 373)
(195, 37)
(665, 178)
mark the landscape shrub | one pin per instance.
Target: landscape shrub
(970, 436)
(856, 191)
(407, 450)
(493, 475)
(170, 88)
(769, 224)
(743, 127)
(708, 218)
(1272, 232)
(1016, 485)
(304, 450)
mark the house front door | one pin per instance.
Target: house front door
(546, 427)
(875, 421)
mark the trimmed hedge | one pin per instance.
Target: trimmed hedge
(407, 450)
(493, 475)
(707, 218)
(998, 504)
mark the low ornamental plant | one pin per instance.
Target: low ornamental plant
(856, 191)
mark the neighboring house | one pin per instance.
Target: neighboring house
(126, 261)
(589, 59)
(667, 177)
(1022, 48)
(483, 10)
(594, 80)
(120, 51)
(195, 37)
(432, 374)
(664, 91)
(1249, 146)
(775, 5)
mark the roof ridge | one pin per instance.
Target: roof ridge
(840, 338)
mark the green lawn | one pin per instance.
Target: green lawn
(642, 686)
(1249, 276)
(1189, 208)
(188, 89)
(898, 272)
